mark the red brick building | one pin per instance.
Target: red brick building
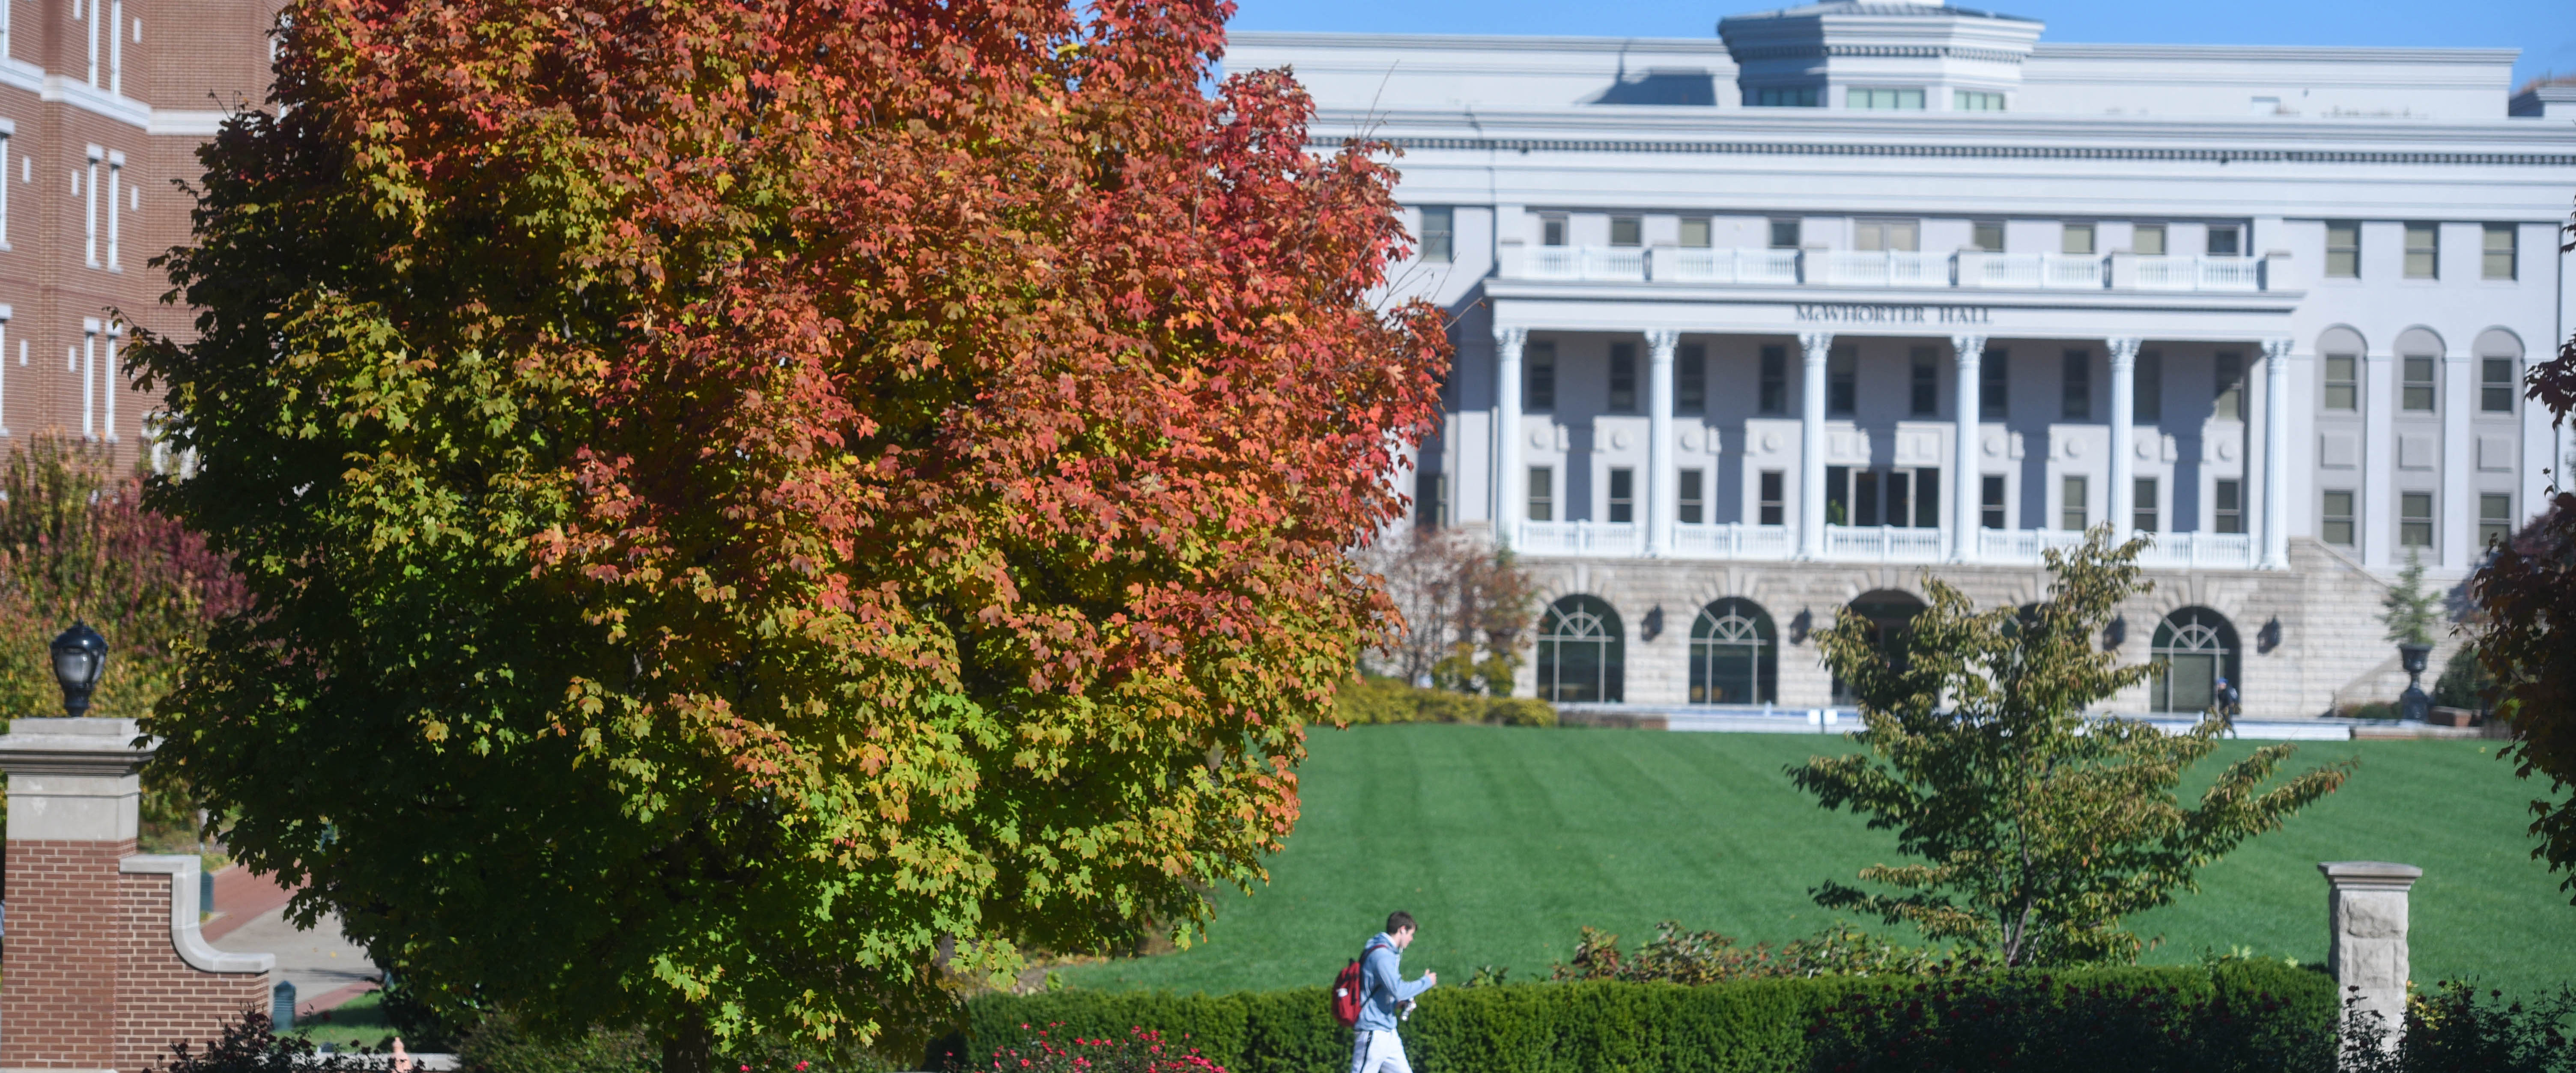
(102, 106)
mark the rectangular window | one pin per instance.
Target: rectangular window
(1691, 507)
(2070, 504)
(2496, 258)
(1926, 382)
(2415, 392)
(1690, 380)
(1865, 498)
(2076, 240)
(7, 130)
(2148, 241)
(1842, 380)
(2226, 240)
(2343, 382)
(1876, 235)
(1773, 510)
(2495, 385)
(1627, 231)
(1987, 235)
(1438, 234)
(1902, 100)
(2334, 519)
(1927, 499)
(1785, 97)
(1972, 100)
(2228, 369)
(1623, 378)
(1551, 231)
(1538, 378)
(1837, 495)
(1994, 383)
(1784, 234)
(2227, 502)
(1694, 232)
(2147, 388)
(2343, 249)
(1990, 502)
(89, 190)
(2414, 519)
(1431, 499)
(1775, 380)
(2495, 519)
(2076, 386)
(115, 184)
(1623, 495)
(1542, 494)
(2423, 251)
(2143, 506)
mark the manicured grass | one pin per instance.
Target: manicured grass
(359, 1022)
(1504, 842)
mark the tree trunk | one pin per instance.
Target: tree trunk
(687, 1046)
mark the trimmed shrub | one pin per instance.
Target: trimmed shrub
(2234, 1015)
(1371, 699)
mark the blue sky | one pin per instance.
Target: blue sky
(2545, 30)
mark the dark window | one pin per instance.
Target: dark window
(2143, 504)
(1837, 495)
(1784, 234)
(1990, 501)
(2227, 513)
(1693, 509)
(2343, 382)
(2415, 519)
(1438, 231)
(2335, 518)
(2226, 240)
(1623, 378)
(2416, 391)
(2071, 493)
(1734, 655)
(2495, 519)
(2194, 650)
(1690, 380)
(1987, 235)
(1581, 653)
(1784, 97)
(1695, 232)
(1926, 382)
(1842, 380)
(1538, 371)
(1623, 495)
(1542, 494)
(1551, 231)
(1775, 380)
(1994, 384)
(1927, 499)
(2495, 385)
(2147, 388)
(1431, 499)
(1626, 231)
(1864, 498)
(2076, 384)
(1773, 512)
(2229, 371)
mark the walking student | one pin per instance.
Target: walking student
(1386, 998)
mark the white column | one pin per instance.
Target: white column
(2276, 455)
(1662, 484)
(1811, 445)
(2378, 504)
(2459, 507)
(1506, 484)
(2124, 454)
(1971, 350)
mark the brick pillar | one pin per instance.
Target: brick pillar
(103, 967)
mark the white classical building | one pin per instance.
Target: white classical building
(1757, 327)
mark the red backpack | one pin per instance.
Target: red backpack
(1350, 990)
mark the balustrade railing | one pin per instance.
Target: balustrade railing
(2200, 273)
(1580, 538)
(1886, 268)
(1732, 540)
(1871, 544)
(1884, 544)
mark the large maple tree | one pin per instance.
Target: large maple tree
(755, 505)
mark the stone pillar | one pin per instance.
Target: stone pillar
(104, 967)
(2366, 936)
(1971, 350)
(1507, 432)
(2124, 452)
(2276, 455)
(1663, 485)
(1811, 444)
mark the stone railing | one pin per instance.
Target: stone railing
(1891, 268)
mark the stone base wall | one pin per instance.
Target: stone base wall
(2329, 643)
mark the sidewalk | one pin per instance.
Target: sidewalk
(325, 967)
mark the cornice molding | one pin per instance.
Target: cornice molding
(1992, 152)
(1818, 52)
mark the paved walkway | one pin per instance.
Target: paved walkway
(325, 967)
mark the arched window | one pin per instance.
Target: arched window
(1734, 655)
(1889, 612)
(2194, 648)
(1580, 652)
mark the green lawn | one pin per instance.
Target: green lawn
(1505, 841)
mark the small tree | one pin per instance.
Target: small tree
(1465, 603)
(2039, 830)
(2409, 610)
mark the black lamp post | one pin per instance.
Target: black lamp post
(79, 655)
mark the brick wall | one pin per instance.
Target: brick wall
(161, 999)
(63, 954)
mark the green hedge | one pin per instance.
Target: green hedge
(1384, 700)
(2243, 1015)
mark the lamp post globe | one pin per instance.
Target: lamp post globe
(80, 654)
